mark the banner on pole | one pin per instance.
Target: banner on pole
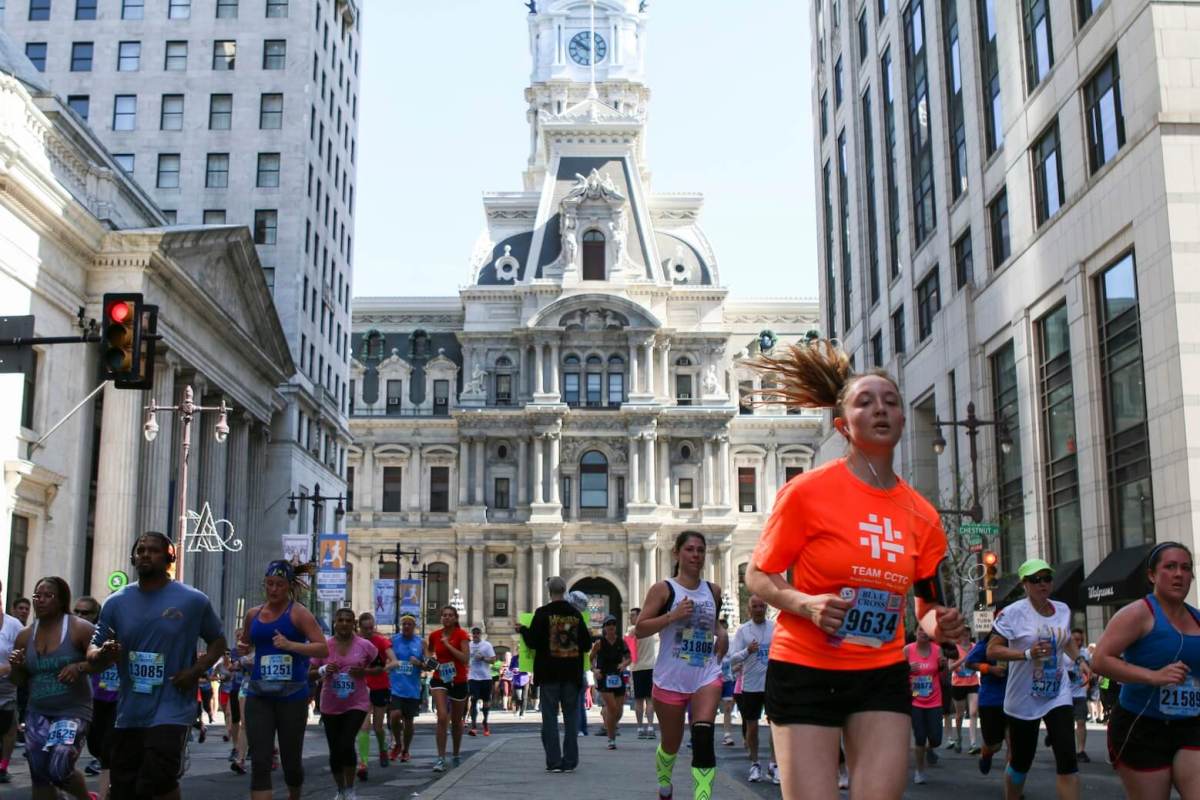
(410, 597)
(384, 592)
(331, 566)
(297, 548)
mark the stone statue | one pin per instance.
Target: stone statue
(619, 229)
(475, 385)
(570, 249)
(711, 383)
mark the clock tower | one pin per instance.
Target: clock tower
(584, 49)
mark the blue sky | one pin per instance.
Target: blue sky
(442, 120)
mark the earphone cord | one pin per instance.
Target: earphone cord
(1146, 706)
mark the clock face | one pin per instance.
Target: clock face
(582, 52)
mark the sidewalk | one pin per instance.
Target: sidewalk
(513, 767)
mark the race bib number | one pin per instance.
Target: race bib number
(963, 672)
(696, 646)
(110, 679)
(62, 732)
(763, 654)
(612, 681)
(146, 670)
(1046, 684)
(404, 668)
(275, 667)
(922, 686)
(447, 672)
(343, 685)
(1180, 699)
(874, 617)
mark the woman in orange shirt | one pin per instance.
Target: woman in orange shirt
(856, 538)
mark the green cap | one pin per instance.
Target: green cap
(1032, 567)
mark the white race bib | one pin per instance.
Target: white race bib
(146, 670)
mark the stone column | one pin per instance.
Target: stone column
(480, 458)
(555, 480)
(522, 472)
(154, 511)
(664, 471)
(539, 370)
(539, 495)
(524, 568)
(726, 469)
(478, 589)
(523, 376)
(708, 471)
(771, 468)
(414, 478)
(635, 489)
(667, 392)
(633, 367)
(117, 485)
(555, 558)
(728, 578)
(651, 473)
(235, 567)
(635, 579)
(464, 472)
(648, 364)
(649, 567)
(211, 474)
(462, 576)
(364, 483)
(554, 368)
(539, 574)
(261, 548)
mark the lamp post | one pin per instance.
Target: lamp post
(972, 424)
(186, 410)
(399, 554)
(318, 501)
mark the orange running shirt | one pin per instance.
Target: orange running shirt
(841, 536)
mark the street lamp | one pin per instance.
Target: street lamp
(186, 410)
(318, 501)
(398, 554)
(972, 424)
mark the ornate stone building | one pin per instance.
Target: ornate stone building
(576, 406)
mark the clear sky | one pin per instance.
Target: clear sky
(442, 120)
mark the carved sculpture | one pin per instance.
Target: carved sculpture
(711, 383)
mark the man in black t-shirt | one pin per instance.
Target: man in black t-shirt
(560, 641)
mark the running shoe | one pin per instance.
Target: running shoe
(755, 773)
(612, 744)
(1082, 757)
(843, 778)
(931, 756)
(383, 759)
(224, 737)
(362, 772)
(950, 744)
(985, 764)
(974, 751)
(773, 773)
(350, 794)
(486, 730)
(233, 754)
(439, 765)
(670, 792)
(238, 767)
(919, 778)
(93, 796)
(339, 795)
(471, 731)
(405, 757)
(203, 734)
(727, 740)
(958, 747)
(456, 761)
(394, 753)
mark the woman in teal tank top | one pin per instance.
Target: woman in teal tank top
(283, 636)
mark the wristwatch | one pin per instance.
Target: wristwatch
(1028, 653)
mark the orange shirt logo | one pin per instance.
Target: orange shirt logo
(883, 540)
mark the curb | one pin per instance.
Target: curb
(442, 786)
(730, 786)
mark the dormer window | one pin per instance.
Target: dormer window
(593, 256)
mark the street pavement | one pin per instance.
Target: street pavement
(510, 764)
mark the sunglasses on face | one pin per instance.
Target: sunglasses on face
(1036, 579)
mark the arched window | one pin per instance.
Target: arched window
(437, 591)
(593, 256)
(593, 484)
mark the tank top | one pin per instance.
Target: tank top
(923, 676)
(1161, 646)
(48, 696)
(277, 674)
(687, 648)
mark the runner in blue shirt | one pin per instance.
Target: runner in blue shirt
(993, 678)
(405, 680)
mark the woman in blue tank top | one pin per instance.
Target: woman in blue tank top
(1152, 647)
(283, 636)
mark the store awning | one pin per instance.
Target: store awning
(1068, 578)
(1120, 578)
(1008, 591)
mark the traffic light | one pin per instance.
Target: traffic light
(127, 341)
(991, 566)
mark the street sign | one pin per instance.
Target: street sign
(982, 621)
(16, 359)
(117, 580)
(977, 531)
(976, 547)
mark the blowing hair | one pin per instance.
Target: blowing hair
(680, 541)
(815, 374)
(61, 590)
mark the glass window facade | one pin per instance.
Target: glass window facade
(919, 123)
(868, 142)
(954, 100)
(893, 188)
(929, 302)
(998, 228)
(963, 261)
(1010, 499)
(1105, 118)
(1039, 50)
(844, 203)
(1057, 394)
(393, 489)
(1126, 432)
(1047, 174)
(898, 333)
(989, 76)
(830, 282)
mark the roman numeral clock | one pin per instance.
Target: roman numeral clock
(582, 50)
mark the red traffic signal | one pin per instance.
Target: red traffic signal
(991, 568)
(121, 337)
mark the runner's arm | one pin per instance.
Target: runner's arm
(1126, 627)
(655, 598)
(306, 623)
(998, 650)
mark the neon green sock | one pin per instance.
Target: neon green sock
(703, 778)
(364, 746)
(664, 764)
